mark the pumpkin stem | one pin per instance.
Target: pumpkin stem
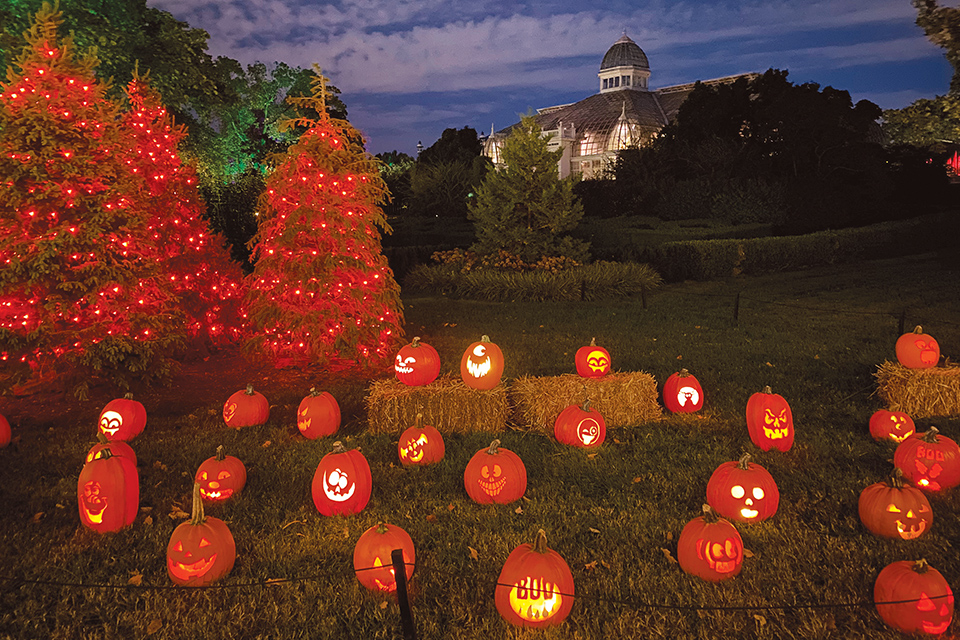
(221, 453)
(415, 342)
(382, 527)
(896, 478)
(918, 330)
(419, 421)
(683, 373)
(197, 517)
(105, 454)
(930, 436)
(313, 392)
(249, 389)
(593, 342)
(338, 447)
(921, 565)
(493, 448)
(540, 544)
(767, 389)
(586, 404)
(709, 515)
(484, 338)
(128, 396)
(101, 438)
(744, 462)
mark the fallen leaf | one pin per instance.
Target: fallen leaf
(669, 536)
(275, 580)
(615, 441)
(451, 507)
(518, 510)
(636, 480)
(669, 555)
(768, 364)
(590, 566)
(177, 513)
(473, 554)
(592, 530)
(146, 509)
(136, 579)
(159, 465)
(679, 357)
(591, 456)
(431, 518)
(266, 444)
(383, 605)
(37, 516)
(154, 626)
(747, 553)
(60, 506)
(830, 623)
(604, 565)
(148, 520)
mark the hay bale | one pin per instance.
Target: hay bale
(624, 399)
(446, 403)
(919, 392)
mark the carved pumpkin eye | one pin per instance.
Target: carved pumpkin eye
(737, 492)
(925, 603)
(892, 508)
(204, 543)
(716, 549)
(758, 493)
(728, 547)
(203, 475)
(223, 475)
(179, 547)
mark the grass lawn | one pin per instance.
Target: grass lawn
(614, 514)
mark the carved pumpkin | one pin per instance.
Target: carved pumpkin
(495, 475)
(580, 426)
(201, 550)
(894, 510)
(122, 419)
(417, 364)
(342, 483)
(372, 557)
(592, 361)
(710, 547)
(420, 444)
(770, 421)
(535, 588)
(220, 477)
(117, 448)
(5, 432)
(917, 350)
(919, 596)
(891, 426)
(682, 393)
(481, 366)
(931, 462)
(318, 415)
(108, 493)
(743, 491)
(246, 408)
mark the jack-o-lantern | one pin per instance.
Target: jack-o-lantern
(5, 432)
(420, 444)
(495, 475)
(201, 550)
(342, 483)
(122, 419)
(318, 415)
(580, 426)
(891, 426)
(913, 597)
(417, 364)
(894, 510)
(220, 477)
(592, 361)
(930, 461)
(710, 547)
(117, 448)
(246, 408)
(682, 393)
(108, 493)
(481, 366)
(770, 421)
(743, 491)
(373, 561)
(535, 588)
(917, 350)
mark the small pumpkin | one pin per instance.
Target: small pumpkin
(495, 475)
(117, 448)
(535, 588)
(895, 510)
(743, 491)
(220, 477)
(710, 547)
(913, 597)
(342, 483)
(682, 393)
(481, 366)
(246, 408)
(930, 461)
(122, 419)
(373, 557)
(318, 415)
(417, 364)
(917, 350)
(580, 426)
(770, 421)
(891, 426)
(201, 550)
(420, 445)
(108, 493)
(592, 361)
(5, 432)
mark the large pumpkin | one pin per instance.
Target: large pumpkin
(894, 510)
(481, 366)
(913, 597)
(743, 491)
(770, 421)
(580, 426)
(420, 445)
(917, 350)
(930, 461)
(246, 408)
(201, 550)
(342, 483)
(592, 361)
(495, 475)
(535, 588)
(108, 492)
(682, 393)
(5, 433)
(372, 557)
(417, 364)
(710, 547)
(122, 419)
(116, 447)
(318, 415)
(891, 426)
(220, 477)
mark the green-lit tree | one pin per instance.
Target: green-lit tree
(524, 207)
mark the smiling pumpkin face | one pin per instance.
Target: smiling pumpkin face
(481, 366)
(342, 483)
(420, 444)
(743, 491)
(220, 477)
(495, 475)
(895, 510)
(201, 550)
(122, 419)
(710, 548)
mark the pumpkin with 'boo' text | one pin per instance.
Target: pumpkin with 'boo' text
(930, 461)
(535, 588)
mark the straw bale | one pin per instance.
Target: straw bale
(446, 403)
(624, 399)
(919, 392)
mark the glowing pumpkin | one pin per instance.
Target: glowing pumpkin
(710, 548)
(122, 419)
(913, 597)
(318, 415)
(220, 477)
(495, 475)
(682, 393)
(372, 557)
(580, 426)
(894, 510)
(743, 491)
(770, 421)
(5, 432)
(917, 350)
(481, 366)
(592, 361)
(116, 447)
(930, 461)
(108, 493)
(420, 444)
(535, 588)
(891, 426)
(246, 408)
(417, 364)
(342, 483)
(201, 550)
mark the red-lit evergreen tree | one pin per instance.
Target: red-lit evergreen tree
(321, 291)
(79, 278)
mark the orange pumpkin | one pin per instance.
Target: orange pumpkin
(894, 510)
(108, 493)
(929, 460)
(481, 366)
(917, 350)
(913, 597)
(535, 588)
(420, 445)
(116, 447)
(318, 415)
(891, 426)
(201, 550)
(5, 433)
(246, 408)
(495, 475)
(770, 421)
(372, 557)
(220, 477)
(122, 419)
(417, 364)
(710, 548)
(580, 426)
(342, 483)
(592, 361)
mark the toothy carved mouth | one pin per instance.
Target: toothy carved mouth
(776, 434)
(725, 567)
(401, 369)
(912, 532)
(198, 568)
(478, 369)
(935, 629)
(493, 487)
(222, 494)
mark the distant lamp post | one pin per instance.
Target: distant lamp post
(419, 148)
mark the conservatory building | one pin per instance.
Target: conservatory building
(624, 113)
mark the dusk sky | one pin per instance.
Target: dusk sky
(408, 69)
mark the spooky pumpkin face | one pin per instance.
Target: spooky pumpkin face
(535, 588)
(770, 421)
(710, 548)
(495, 475)
(920, 600)
(417, 364)
(481, 366)
(108, 493)
(342, 483)
(580, 427)
(420, 445)
(372, 557)
(592, 361)
(917, 350)
(122, 419)
(931, 462)
(318, 415)
(220, 477)
(246, 408)
(891, 426)
(743, 491)
(201, 550)
(682, 393)
(895, 510)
